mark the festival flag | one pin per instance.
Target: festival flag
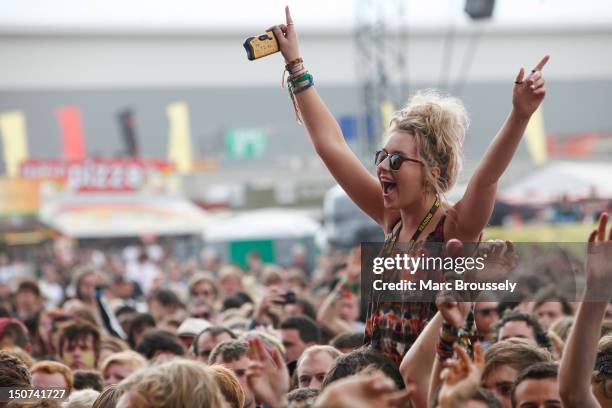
(179, 146)
(73, 145)
(13, 128)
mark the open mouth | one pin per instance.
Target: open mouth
(388, 187)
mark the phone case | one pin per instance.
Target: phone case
(257, 47)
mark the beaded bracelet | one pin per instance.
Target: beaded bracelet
(299, 80)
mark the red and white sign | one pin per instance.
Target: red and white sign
(96, 175)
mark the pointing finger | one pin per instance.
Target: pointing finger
(288, 16)
(542, 62)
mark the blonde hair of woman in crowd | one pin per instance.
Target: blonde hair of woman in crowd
(120, 365)
(176, 383)
(229, 385)
(82, 399)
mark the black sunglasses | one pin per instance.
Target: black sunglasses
(395, 159)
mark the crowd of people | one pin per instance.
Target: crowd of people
(218, 335)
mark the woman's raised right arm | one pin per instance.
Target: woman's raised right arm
(326, 136)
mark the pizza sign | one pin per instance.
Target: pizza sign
(97, 175)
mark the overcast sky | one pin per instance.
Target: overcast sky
(246, 15)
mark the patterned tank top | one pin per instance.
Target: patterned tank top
(392, 327)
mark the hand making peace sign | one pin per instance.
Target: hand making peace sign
(529, 92)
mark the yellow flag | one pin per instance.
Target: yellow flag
(13, 128)
(179, 146)
(386, 113)
(535, 135)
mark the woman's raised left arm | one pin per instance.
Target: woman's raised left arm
(476, 206)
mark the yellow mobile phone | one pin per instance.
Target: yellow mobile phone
(257, 47)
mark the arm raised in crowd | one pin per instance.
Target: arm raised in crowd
(328, 315)
(581, 347)
(326, 135)
(418, 362)
(476, 206)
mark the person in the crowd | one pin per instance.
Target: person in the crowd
(357, 360)
(303, 395)
(504, 360)
(108, 398)
(164, 303)
(79, 345)
(298, 333)
(13, 373)
(118, 366)
(174, 383)
(139, 325)
(157, 344)
(189, 329)
(13, 333)
(461, 383)
(347, 342)
(314, 364)
(419, 163)
(486, 315)
(522, 325)
(233, 354)
(49, 284)
(203, 288)
(201, 310)
(207, 340)
(537, 386)
(28, 300)
(84, 282)
(339, 312)
(82, 399)
(51, 374)
(84, 379)
(229, 385)
(110, 345)
(585, 375)
(550, 307)
(230, 280)
(562, 327)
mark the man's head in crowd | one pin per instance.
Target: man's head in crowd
(164, 303)
(602, 375)
(314, 364)
(85, 285)
(302, 395)
(537, 386)
(79, 345)
(202, 310)
(51, 374)
(85, 379)
(298, 333)
(358, 360)
(229, 385)
(230, 280)
(139, 325)
(175, 383)
(13, 373)
(202, 288)
(233, 354)
(504, 360)
(207, 340)
(522, 325)
(120, 365)
(549, 308)
(486, 315)
(159, 344)
(14, 333)
(347, 342)
(28, 300)
(111, 345)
